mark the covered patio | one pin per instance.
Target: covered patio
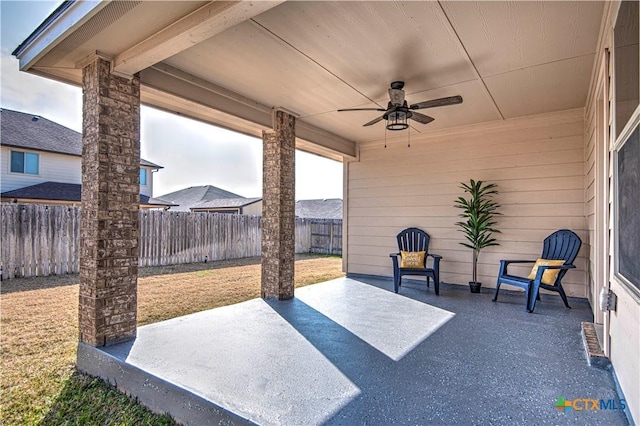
(549, 113)
(350, 351)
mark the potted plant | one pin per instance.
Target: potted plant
(478, 213)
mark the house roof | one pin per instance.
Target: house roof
(29, 131)
(189, 197)
(66, 192)
(223, 203)
(319, 209)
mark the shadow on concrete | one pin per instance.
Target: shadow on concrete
(493, 363)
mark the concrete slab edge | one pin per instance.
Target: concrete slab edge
(159, 395)
(595, 355)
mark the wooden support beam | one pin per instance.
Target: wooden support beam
(170, 80)
(203, 23)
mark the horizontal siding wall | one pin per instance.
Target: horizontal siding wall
(538, 163)
(53, 167)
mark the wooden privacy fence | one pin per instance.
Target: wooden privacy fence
(39, 240)
(326, 236)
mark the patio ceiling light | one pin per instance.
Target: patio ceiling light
(397, 120)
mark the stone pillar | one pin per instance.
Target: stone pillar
(110, 204)
(278, 208)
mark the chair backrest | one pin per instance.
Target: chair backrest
(413, 239)
(563, 244)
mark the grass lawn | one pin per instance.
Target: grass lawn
(39, 334)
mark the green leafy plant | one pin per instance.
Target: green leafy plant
(478, 214)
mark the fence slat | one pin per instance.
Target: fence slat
(45, 240)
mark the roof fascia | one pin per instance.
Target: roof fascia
(64, 20)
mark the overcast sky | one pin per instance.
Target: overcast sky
(191, 152)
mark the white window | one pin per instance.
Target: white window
(25, 162)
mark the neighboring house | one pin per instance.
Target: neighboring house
(53, 193)
(212, 199)
(330, 208)
(41, 162)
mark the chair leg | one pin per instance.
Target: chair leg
(533, 295)
(428, 278)
(563, 295)
(495, 296)
(436, 285)
(397, 282)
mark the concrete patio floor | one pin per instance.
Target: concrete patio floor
(352, 352)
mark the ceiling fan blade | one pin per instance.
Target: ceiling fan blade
(374, 121)
(421, 118)
(451, 100)
(362, 109)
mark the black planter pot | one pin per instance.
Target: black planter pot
(474, 287)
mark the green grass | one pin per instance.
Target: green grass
(87, 400)
(39, 324)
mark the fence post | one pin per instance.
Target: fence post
(44, 240)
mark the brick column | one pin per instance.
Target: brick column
(278, 208)
(110, 203)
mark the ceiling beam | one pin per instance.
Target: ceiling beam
(188, 94)
(201, 24)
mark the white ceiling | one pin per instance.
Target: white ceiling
(506, 59)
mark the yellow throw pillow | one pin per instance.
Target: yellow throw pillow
(412, 259)
(550, 275)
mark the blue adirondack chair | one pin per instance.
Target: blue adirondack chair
(561, 245)
(414, 239)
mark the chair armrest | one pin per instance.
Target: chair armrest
(543, 268)
(436, 260)
(505, 263)
(394, 260)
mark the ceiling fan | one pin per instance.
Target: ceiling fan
(398, 111)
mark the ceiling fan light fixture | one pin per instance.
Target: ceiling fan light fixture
(398, 112)
(397, 120)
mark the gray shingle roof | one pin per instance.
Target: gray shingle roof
(330, 208)
(222, 203)
(66, 192)
(189, 197)
(28, 131)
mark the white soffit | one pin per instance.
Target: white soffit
(550, 87)
(506, 59)
(250, 61)
(118, 26)
(501, 36)
(371, 44)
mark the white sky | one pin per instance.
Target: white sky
(192, 153)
